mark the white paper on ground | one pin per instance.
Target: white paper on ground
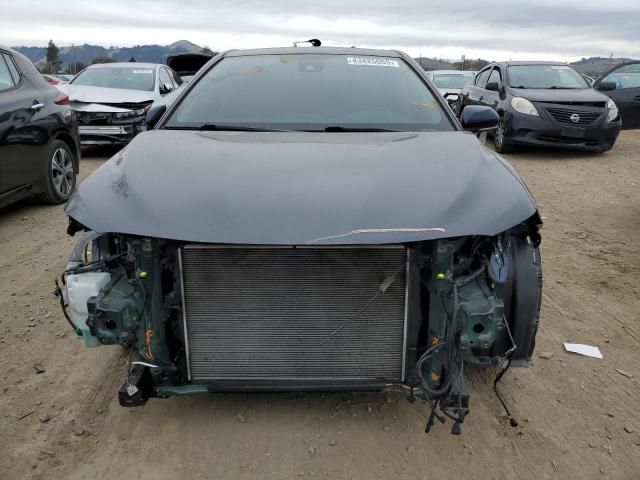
(586, 350)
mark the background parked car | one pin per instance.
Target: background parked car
(626, 94)
(450, 82)
(39, 149)
(187, 64)
(544, 104)
(111, 99)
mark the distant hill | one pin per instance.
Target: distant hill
(596, 66)
(434, 63)
(85, 53)
(592, 66)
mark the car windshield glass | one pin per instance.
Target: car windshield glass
(129, 78)
(311, 92)
(545, 76)
(452, 80)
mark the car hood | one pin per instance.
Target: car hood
(560, 95)
(302, 188)
(86, 94)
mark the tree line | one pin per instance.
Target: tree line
(53, 62)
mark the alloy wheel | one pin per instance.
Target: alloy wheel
(62, 172)
(498, 136)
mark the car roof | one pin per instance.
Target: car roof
(14, 52)
(125, 64)
(9, 49)
(314, 50)
(453, 72)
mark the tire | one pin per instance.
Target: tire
(60, 174)
(499, 139)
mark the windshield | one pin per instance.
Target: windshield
(311, 92)
(452, 80)
(128, 78)
(545, 76)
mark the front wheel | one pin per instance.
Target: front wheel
(60, 174)
(499, 140)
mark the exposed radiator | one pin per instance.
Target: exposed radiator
(268, 313)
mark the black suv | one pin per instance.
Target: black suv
(39, 149)
(545, 104)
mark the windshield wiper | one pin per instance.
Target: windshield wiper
(520, 86)
(555, 87)
(340, 128)
(235, 128)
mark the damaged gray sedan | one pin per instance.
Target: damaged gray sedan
(111, 99)
(307, 219)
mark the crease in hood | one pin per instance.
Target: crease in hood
(297, 188)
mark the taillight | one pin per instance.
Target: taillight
(62, 100)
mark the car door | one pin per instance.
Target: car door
(474, 92)
(20, 142)
(626, 94)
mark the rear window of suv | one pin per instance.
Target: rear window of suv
(311, 92)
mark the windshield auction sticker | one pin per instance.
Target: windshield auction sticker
(373, 61)
(143, 71)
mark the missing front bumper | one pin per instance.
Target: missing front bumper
(108, 134)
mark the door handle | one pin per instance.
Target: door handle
(37, 106)
(480, 97)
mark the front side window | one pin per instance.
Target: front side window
(481, 79)
(166, 84)
(176, 78)
(627, 76)
(311, 92)
(128, 78)
(545, 76)
(495, 76)
(12, 68)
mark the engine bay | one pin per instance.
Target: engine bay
(243, 321)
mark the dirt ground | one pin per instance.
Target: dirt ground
(578, 416)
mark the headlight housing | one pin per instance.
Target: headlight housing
(523, 105)
(132, 113)
(612, 114)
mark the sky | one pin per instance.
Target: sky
(495, 30)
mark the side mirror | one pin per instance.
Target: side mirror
(476, 118)
(165, 88)
(606, 86)
(492, 86)
(153, 115)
